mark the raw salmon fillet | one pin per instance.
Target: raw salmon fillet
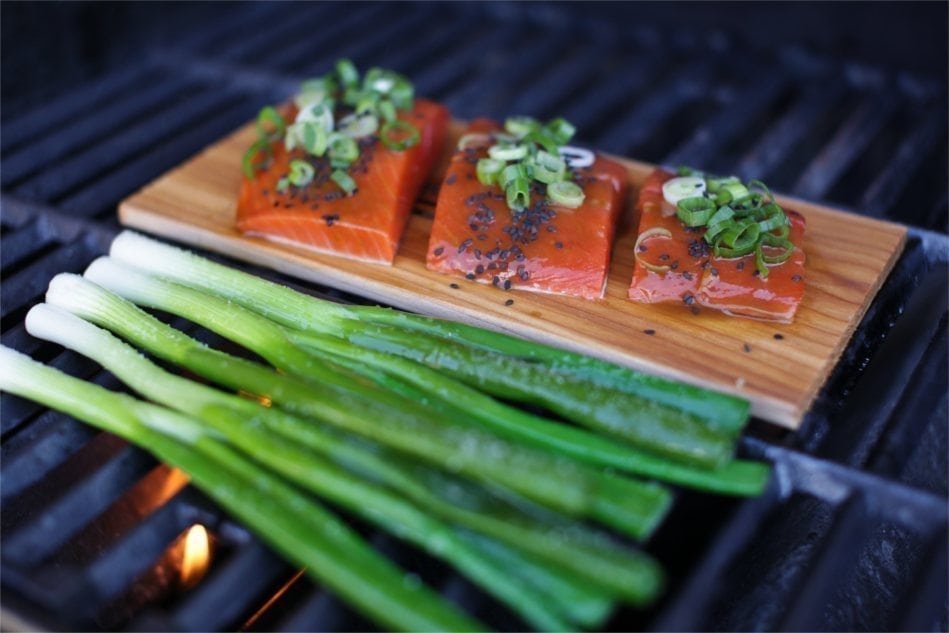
(367, 225)
(546, 248)
(681, 267)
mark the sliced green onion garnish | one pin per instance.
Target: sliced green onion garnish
(270, 124)
(566, 194)
(718, 223)
(359, 125)
(774, 242)
(342, 148)
(695, 211)
(731, 190)
(508, 152)
(561, 130)
(760, 263)
(399, 135)
(301, 173)
(518, 193)
(682, 187)
(549, 168)
(511, 173)
(347, 73)
(249, 163)
(521, 126)
(488, 170)
(741, 235)
(387, 110)
(344, 180)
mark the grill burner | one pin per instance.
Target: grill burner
(852, 533)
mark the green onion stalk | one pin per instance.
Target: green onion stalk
(259, 432)
(638, 408)
(537, 535)
(289, 520)
(565, 485)
(301, 312)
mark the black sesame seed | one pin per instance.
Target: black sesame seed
(664, 257)
(688, 300)
(454, 285)
(795, 278)
(695, 309)
(451, 179)
(674, 265)
(643, 248)
(438, 251)
(479, 269)
(649, 332)
(747, 348)
(687, 275)
(507, 284)
(470, 276)
(509, 302)
(778, 337)
(714, 272)
(741, 266)
(558, 244)
(496, 280)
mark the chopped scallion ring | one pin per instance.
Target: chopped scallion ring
(682, 187)
(342, 148)
(359, 125)
(344, 180)
(518, 194)
(695, 211)
(489, 170)
(548, 168)
(399, 135)
(656, 231)
(508, 152)
(473, 140)
(250, 161)
(301, 173)
(577, 157)
(270, 124)
(565, 194)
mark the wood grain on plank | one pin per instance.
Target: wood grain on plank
(848, 257)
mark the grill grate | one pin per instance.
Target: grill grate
(860, 492)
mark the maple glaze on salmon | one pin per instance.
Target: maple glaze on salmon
(367, 225)
(674, 263)
(545, 248)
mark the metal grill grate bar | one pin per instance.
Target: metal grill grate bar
(106, 156)
(59, 112)
(43, 153)
(847, 144)
(89, 498)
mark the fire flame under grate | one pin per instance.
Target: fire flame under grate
(852, 533)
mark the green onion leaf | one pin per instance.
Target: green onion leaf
(565, 194)
(359, 125)
(518, 194)
(488, 170)
(301, 173)
(347, 73)
(399, 135)
(695, 211)
(521, 126)
(549, 168)
(561, 130)
(508, 152)
(270, 124)
(250, 161)
(342, 148)
(344, 180)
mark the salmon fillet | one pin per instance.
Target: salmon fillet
(675, 264)
(546, 248)
(365, 226)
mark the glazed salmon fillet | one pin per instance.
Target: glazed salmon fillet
(367, 225)
(734, 287)
(674, 263)
(669, 255)
(545, 248)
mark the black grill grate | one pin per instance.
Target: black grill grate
(852, 533)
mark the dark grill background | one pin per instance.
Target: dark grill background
(844, 103)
